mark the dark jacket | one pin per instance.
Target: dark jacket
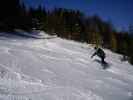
(100, 53)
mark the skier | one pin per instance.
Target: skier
(100, 53)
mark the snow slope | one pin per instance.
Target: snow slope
(33, 34)
(57, 69)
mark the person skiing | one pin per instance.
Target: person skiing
(100, 53)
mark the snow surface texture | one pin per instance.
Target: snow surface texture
(57, 69)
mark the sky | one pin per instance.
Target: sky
(118, 12)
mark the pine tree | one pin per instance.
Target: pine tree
(113, 42)
(10, 11)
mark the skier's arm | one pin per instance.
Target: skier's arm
(93, 54)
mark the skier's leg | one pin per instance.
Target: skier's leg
(102, 59)
(104, 64)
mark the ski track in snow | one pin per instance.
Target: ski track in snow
(57, 69)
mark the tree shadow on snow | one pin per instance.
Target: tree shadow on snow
(104, 65)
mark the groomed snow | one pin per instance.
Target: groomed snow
(57, 69)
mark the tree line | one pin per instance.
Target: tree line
(66, 23)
